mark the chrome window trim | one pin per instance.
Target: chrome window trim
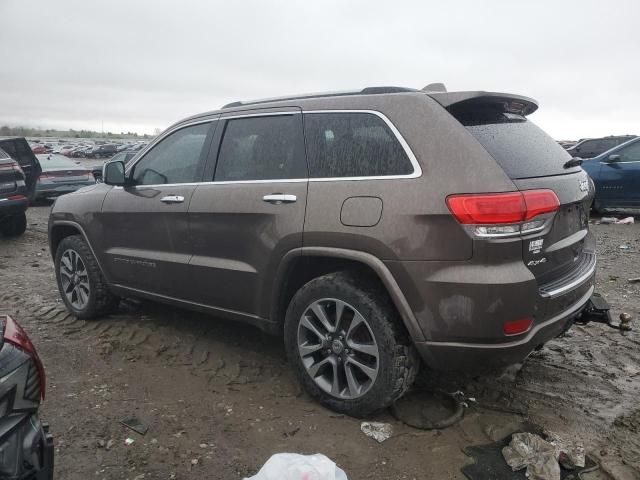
(417, 170)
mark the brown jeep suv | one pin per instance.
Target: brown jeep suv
(371, 229)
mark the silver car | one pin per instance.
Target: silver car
(61, 175)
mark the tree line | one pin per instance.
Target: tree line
(6, 131)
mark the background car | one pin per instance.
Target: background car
(41, 149)
(616, 175)
(61, 175)
(102, 151)
(13, 197)
(19, 150)
(591, 147)
(122, 156)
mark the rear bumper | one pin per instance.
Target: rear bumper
(12, 207)
(487, 356)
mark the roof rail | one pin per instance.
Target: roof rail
(364, 91)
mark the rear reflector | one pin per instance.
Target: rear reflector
(514, 327)
(16, 197)
(496, 208)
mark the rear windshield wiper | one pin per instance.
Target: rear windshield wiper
(574, 162)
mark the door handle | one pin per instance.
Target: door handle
(279, 198)
(172, 199)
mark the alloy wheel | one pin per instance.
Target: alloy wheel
(74, 279)
(338, 348)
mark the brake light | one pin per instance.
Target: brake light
(11, 166)
(509, 207)
(503, 214)
(16, 197)
(14, 334)
(514, 327)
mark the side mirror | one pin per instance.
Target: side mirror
(613, 158)
(113, 173)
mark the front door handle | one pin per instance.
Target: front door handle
(279, 198)
(172, 199)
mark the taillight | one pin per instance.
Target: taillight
(11, 166)
(14, 334)
(43, 175)
(16, 197)
(503, 214)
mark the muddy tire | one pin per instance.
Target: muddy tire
(14, 225)
(80, 281)
(347, 344)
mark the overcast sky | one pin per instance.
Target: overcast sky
(143, 64)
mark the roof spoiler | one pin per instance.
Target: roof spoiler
(505, 102)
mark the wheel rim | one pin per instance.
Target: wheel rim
(338, 349)
(74, 279)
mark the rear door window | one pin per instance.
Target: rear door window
(262, 148)
(352, 145)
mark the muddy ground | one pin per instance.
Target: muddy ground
(219, 398)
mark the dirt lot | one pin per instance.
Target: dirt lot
(219, 398)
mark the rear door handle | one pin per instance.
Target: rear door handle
(278, 198)
(172, 199)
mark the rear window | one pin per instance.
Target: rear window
(521, 148)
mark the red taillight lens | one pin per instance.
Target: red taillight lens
(514, 327)
(11, 166)
(539, 202)
(16, 197)
(508, 207)
(13, 333)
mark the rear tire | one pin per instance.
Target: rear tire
(82, 287)
(14, 225)
(365, 360)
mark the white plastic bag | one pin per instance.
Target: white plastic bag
(292, 466)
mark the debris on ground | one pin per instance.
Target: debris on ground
(134, 424)
(530, 451)
(377, 430)
(292, 466)
(129, 441)
(634, 280)
(624, 247)
(616, 221)
(625, 321)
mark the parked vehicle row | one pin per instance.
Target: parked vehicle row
(105, 150)
(329, 220)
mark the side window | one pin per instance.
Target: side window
(352, 145)
(262, 148)
(176, 159)
(631, 153)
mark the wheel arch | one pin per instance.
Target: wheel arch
(301, 265)
(61, 229)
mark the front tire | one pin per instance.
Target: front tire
(347, 344)
(14, 226)
(80, 282)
